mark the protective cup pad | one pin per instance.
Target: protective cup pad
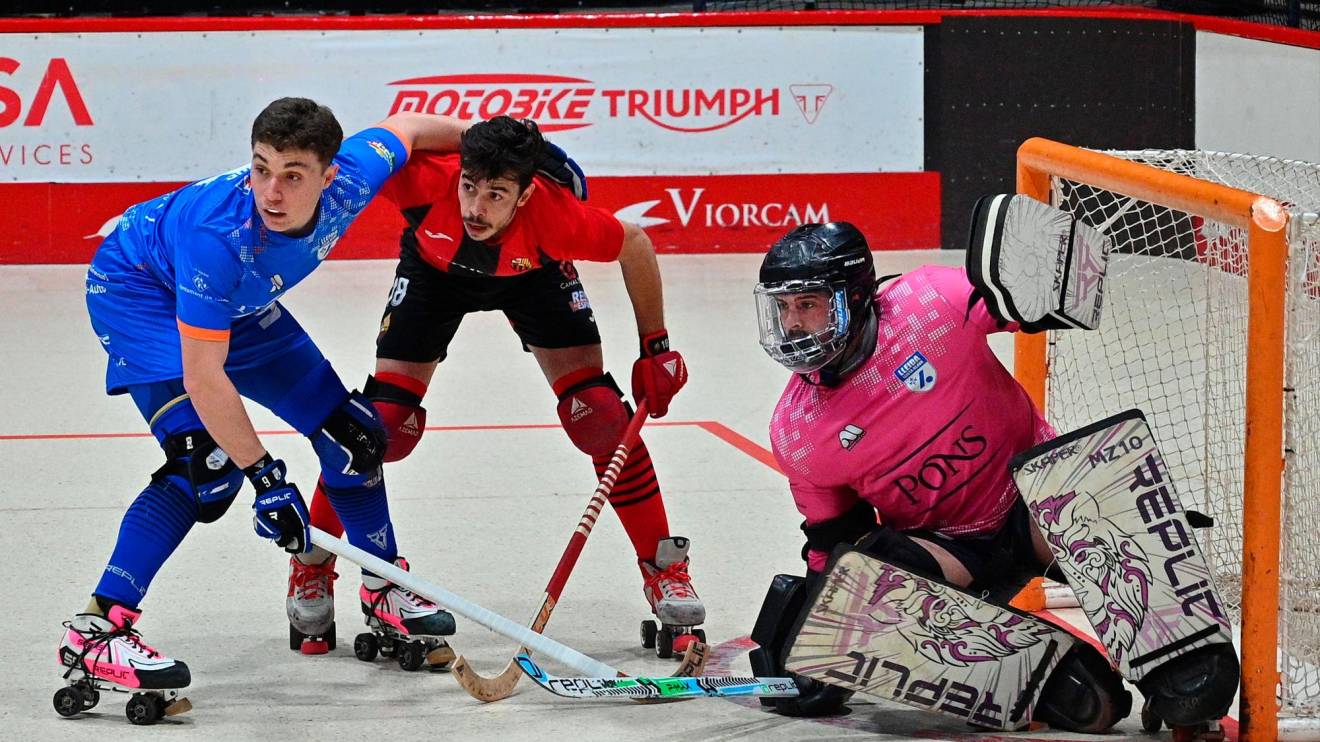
(594, 416)
(1037, 265)
(1103, 498)
(880, 630)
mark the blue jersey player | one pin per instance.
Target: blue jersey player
(184, 297)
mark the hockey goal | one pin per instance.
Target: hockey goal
(1212, 327)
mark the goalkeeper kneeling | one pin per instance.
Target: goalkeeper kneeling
(901, 434)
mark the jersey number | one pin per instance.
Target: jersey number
(398, 291)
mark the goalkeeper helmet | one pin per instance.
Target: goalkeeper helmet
(816, 287)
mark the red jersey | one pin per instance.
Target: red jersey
(553, 226)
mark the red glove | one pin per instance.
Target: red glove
(658, 374)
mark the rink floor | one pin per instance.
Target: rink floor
(484, 507)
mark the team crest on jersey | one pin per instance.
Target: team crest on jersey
(384, 152)
(849, 436)
(327, 243)
(917, 373)
(520, 264)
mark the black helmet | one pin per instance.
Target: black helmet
(826, 263)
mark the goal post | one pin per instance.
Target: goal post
(1214, 278)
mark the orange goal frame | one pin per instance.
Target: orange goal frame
(1266, 223)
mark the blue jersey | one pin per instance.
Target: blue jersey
(200, 261)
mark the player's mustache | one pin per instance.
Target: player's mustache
(475, 220)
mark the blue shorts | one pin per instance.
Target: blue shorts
(298, 385)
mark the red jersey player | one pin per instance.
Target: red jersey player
(485, 231)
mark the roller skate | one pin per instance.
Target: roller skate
(311, 606)
(106, 653)
(674, 602)
(403, 625)
(1191, 693)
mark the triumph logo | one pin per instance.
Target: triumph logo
(849, 436)
(810, 98)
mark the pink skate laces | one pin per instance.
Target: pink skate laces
(672, 582)
(311, 581)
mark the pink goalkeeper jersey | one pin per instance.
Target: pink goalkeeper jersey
(924, 430)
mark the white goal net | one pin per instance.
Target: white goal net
(1173, 342)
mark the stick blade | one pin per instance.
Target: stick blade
(486, 689)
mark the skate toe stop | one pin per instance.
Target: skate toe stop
(683, 641)
(178, 706)
(313, 646)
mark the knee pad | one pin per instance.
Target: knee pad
(1084, 694)
(401, 414)
(1195, 687)
(351, 443)
(594, 415)
(775, 627)
(212, 477)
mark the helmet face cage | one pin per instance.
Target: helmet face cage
(798, 350)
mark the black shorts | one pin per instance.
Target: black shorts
(547, 307)
(1000, 563)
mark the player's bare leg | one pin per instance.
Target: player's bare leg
(593, 413)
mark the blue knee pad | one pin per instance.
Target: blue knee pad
(195, 464)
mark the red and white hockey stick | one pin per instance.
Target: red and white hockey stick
(501, 686)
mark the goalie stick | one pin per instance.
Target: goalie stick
(501, 686)
(667, 688)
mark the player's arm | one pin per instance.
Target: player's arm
(216, 400)
(641, 276)
(426, 131)
(660, 372)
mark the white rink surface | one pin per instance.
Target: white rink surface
(483, 511)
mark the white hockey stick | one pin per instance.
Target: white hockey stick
(539, 643)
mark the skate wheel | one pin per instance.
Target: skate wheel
(700, 634)
(330, 637)
(389, 647)
(648, 634)
(296, 638)
(1150, 721)
(412, 655)
(144, 708)
(664, 643)
(68, 701)
(365, 647)
(440, 657)
(683, 641)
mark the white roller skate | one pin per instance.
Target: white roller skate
(106, 653)
(403, 625)
(673, 600)
(311, 606)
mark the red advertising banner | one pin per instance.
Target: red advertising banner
(64, 222)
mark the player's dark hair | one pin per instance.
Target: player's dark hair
(502, 147)
(299, 123)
